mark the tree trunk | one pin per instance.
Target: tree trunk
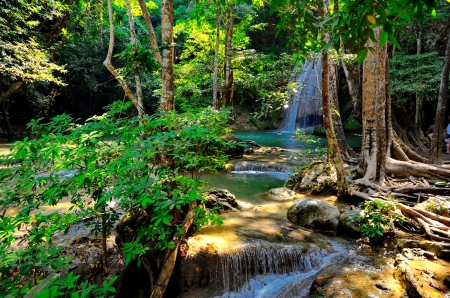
(374, 114)
(439, 122)
(346, 152)
(108, 63)
(167, 18)
(228, 92)
(137, 78)
(171, 254)
(216, 102)
(151, 31)
(334, 154)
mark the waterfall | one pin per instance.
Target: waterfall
(305, 100)
(239, 267)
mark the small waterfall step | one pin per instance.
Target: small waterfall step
(248, 166)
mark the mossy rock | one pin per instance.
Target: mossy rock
(319, 131)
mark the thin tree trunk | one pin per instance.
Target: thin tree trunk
(171, 254)
(137, 78)
(108, 64)
(438, 136)
(216, 104)
(151, 31)
(334, 154)
(227, 94)
(419, 97)
(345, 150)
(167, 18)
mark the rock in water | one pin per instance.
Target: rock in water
(221, 198)
(279, 194)
(314, 214)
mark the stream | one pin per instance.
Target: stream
(257, 252)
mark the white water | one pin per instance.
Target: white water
(276, 283)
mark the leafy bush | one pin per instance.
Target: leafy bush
(377, 218)
(107, 158)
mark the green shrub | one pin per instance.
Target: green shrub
(352, 124)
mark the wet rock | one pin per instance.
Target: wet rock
(279, 194)
(314, 214)
(221, 198)
(348, 224)
(440, 249)
(318, 177)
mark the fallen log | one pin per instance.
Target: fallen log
(171, 255)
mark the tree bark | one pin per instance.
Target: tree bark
(108, 64)
(346, 152)
(375, 114)
(216, 101)
(137, 78)
(228, 78)
(167, 18)
(439, 122)
(151, 31)
(334, 154)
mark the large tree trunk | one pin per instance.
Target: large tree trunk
(137, 78)
(228, 92)
(438, 136)
(151, 32)
(167, 18)
(216, 101)
(375, 127)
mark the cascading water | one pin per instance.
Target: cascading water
(305, 101)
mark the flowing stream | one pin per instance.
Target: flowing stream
(258, 253)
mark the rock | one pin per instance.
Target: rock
(279, 194)
(348, 224)
(319, 177)
(440, 249)
(436, 205)
(222, 198)
(314, 214)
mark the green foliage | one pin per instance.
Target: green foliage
(319, 131)
(377, 218)
(107, 158)
(352, 124)
(418, 73)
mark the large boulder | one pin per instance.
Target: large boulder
(314, 214)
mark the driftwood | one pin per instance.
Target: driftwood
(171, 255)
